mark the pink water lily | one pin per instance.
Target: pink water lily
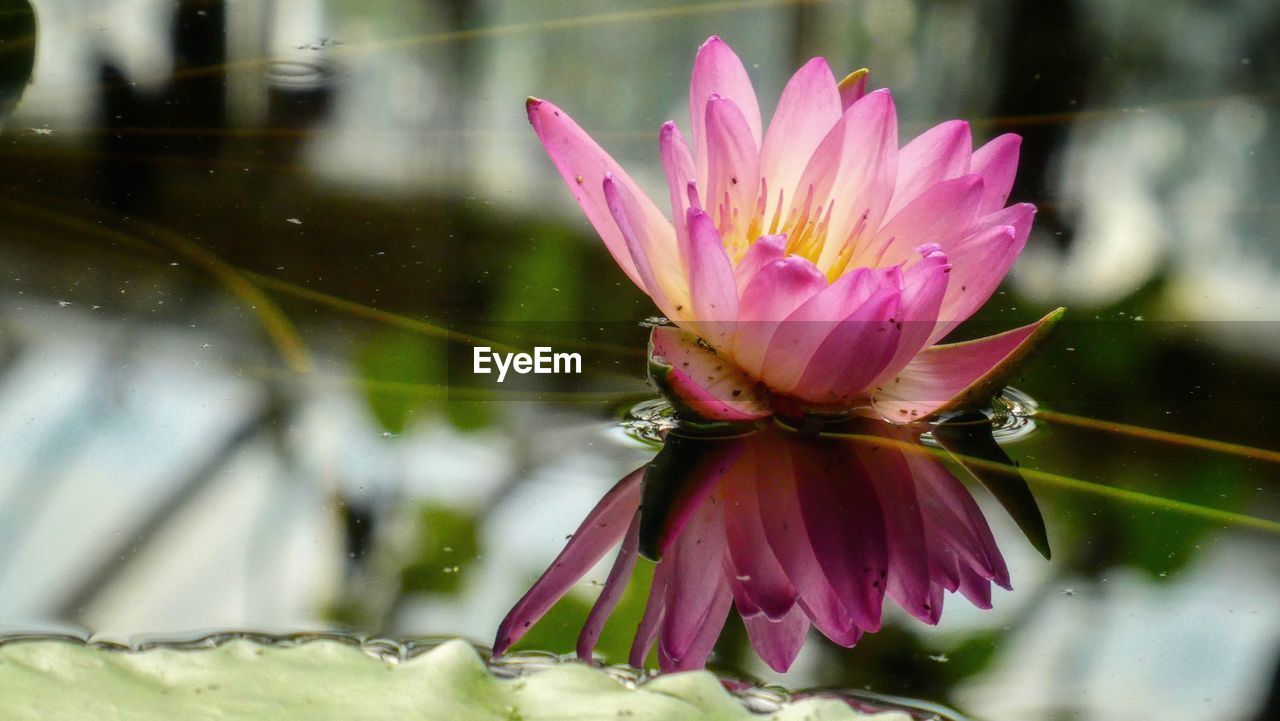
(794, 531)
(812, 264)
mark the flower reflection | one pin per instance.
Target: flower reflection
(794, 530)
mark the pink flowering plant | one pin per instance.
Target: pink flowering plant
(809, 270)
(813, 266)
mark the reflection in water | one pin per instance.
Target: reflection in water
(791, 529)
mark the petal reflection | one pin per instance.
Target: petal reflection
(791, 529)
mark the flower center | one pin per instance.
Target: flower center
(807, 228)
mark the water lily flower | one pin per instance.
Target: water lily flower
(794, 531)
(813, 265)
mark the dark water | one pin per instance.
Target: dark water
(247, 250)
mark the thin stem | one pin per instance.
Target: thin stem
(1152, 434)
(1075, 484)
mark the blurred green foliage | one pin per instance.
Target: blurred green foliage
(446, 547)
(396, 357)
(544, 279)
(406, 376)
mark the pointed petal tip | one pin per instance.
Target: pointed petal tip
(532, 104)
(502, 642)
(537, 111)
(695, 214)
(878, 100)
(511, 630)
(711, 41)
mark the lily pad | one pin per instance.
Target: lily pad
(327, 680)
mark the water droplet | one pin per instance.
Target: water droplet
(1012, 415)
(647, 421)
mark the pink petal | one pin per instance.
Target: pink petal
(778, 642)
(733, 166)
(1019, 217)
(889, 472)
(808, 108)
(979, 264)
(624, 207)
(774, 293)
(654, 611)
(853, 87)
(702, 384)
(762, 581)
(944, 568)
(614, 585)
(745, 604)
(854, 354)
(764, 251)
(959, 375)
(924, 286)
(854, 165)
(797, 339)
(704, 640)
(937, 599)
(943, 214)
(583, 164)
(677, 161)
(718, 71)
(997, 163)
(696, 581)
(845, 525)
(784, 528)
(975, 588)
(954, 522)
(601, 529)
(940, 153)
(713, 291)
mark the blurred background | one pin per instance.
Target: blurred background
(247, 246)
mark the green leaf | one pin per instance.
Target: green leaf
(968, 438)
(332, 681)
(400, 368)
(447, 546)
